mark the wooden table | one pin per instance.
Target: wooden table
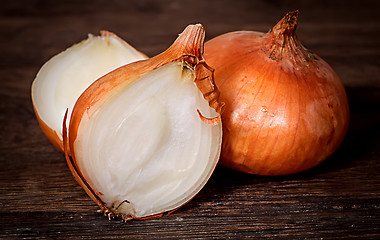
(340, 198)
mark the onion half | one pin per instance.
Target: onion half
(64, 77)
(145, 138)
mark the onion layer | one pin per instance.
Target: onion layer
(145, 138)
(286, 109)
(63, 78)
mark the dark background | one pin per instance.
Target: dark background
(340, 198)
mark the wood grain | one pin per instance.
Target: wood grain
(340, 198)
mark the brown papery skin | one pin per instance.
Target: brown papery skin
(286, 109)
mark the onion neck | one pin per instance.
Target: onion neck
(188, 45)
(281, 42)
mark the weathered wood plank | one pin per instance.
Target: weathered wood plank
(340, 198)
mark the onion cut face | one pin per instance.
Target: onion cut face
(145, 138)
(63, 78)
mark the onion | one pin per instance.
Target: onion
(286, 109)
(63, 78)
(143, 139)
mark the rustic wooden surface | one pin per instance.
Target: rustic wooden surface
(340, 198)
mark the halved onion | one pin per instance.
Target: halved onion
(139, 139)
(64, 77)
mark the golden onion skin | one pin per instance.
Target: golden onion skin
(286, 109)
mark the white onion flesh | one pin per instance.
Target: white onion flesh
(63, 78)
(147, 144)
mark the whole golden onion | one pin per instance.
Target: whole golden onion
(286, 109)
